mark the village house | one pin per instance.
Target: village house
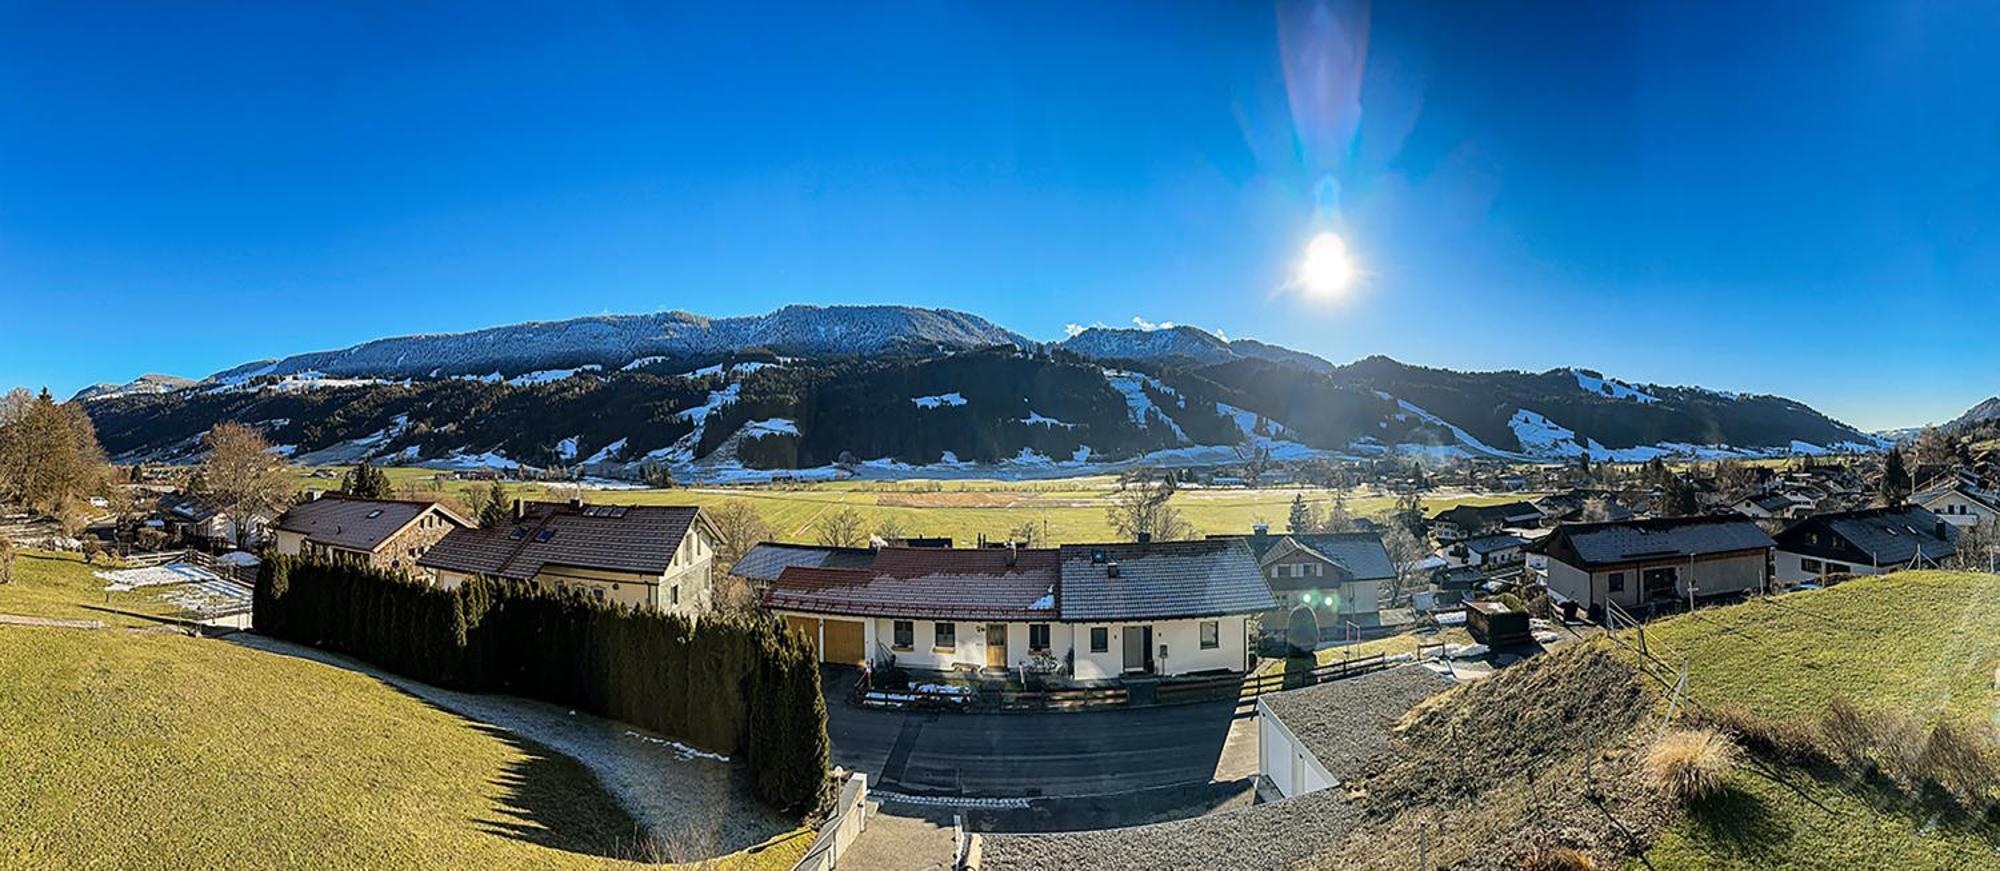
(192, 520)
(660, 556)
(1487, 552)
(1093, 612)
(384, 533)
(1338, 575)
(1471, 521)
(1867, 542)
(1640, 563)
(1769, 505)
(762, 563)
(1961, 504)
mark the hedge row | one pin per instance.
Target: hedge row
(731, 685)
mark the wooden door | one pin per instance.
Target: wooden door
(996, 645)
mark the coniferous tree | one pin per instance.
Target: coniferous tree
(495, 510)
(1301, 519)
(1895, 484)
(366, 482)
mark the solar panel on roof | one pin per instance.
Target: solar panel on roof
(517, 534)
(374, 514)
(545, 535)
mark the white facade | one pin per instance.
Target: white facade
(1179, 647)
(1284, 760)
(1793, 569)
(1957, 509)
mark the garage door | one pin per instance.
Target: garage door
(845, 643)
(845, 639)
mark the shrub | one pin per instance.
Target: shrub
(1692, 764)
(1960, 760)
(1789, 741)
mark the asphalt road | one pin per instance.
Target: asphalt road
(1013, 755)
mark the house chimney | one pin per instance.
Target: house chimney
(1145, 537)
(1941, 533)
(1012, 553)
(520, 509)
(1260, 530)
(1111, 570)
(576, 502)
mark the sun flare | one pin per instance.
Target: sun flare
(1326, 269)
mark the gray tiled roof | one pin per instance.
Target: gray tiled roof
(1161, 580)
(635, 538)
(1491, 543)
(1892, 536)
(765, 562)
(1360, 553)
(1347, 722)
(1662, 538)
(353, 524)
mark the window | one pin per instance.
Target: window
(906, 635)
(1811, 565)
(1319, 570)
(675, 594)
(598, 592)
(1211, 635)
(1836, 568)
(1272, 571)
(1100, 639)
(1616, 582)
(946, 636)
(1038, 636)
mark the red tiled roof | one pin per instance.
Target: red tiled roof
(929, 583)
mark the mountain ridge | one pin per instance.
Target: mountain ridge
(896, 391)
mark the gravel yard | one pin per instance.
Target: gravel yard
(1351, 721)
(693, 805)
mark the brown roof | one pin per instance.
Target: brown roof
(357, 524)
(626, 538)
(932, 583)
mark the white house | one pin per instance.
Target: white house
(654, 555)
(1092, 612)
(1961, 504)
(1339, 575)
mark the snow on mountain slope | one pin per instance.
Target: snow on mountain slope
(1592, 382)
(144, 384)
(614, 341)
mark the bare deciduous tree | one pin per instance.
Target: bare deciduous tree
(842, 528)
(1141, 505)
(741, 528)
(241, 478)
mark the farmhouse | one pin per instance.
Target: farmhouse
(1866, 542)
(1092, 611)
(1638, 563)
(1338, 575)
(383, 533)
(657, 555)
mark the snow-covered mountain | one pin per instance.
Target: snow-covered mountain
(147, 383)
(1181, 345)
(614, 341)
(888, 391)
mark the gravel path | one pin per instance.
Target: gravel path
(691, 803)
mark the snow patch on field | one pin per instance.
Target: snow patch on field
(604, 454)
(771, 426)
(544, 376)
(1034, 419)
(952, 399)
(1611, 387)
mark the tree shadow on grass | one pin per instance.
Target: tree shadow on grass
(553, 801)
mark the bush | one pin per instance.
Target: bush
(1886, 742)
(1960, 760)
(1788, 741)
(728, 684)
(1692, 764)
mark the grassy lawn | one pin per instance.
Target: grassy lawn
(1924, 643)
(1071, 508)
(60, 586)
(150, 750)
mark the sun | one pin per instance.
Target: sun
(1326, 269)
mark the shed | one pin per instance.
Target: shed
(1496, 625)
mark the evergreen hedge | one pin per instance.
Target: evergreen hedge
(728, 684)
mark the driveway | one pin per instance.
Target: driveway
(1028, 755)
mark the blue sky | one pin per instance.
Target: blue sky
(1798, 198)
